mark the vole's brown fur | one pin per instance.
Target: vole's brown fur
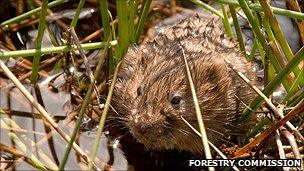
(152, 92)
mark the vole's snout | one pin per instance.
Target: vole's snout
(140, 125)
(147, 125)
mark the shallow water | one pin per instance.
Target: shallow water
(31, 128)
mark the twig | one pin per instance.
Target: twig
(280, 148)
(103, 119)
(23, 148)
(16, 153)
(267, 100)
(292, 142)
(213, 146)
(299, 56)
(198, 112)
(41, 110)
(293, 145)
(84, 106)
(296, 111)
(92, 36)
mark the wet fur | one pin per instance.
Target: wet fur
(152, 72)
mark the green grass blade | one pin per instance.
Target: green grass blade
(103, 119)
(142, 19)
(296, 100)
(25, 150)
(279, 34)
(238, 30)
(84, 106)
(54, 50)
(208, 7)
(131, 19)
(257, 7)
(253, 50)
(276, 81)
(41, 28)
(293, 87)
(123, 28)
(275, 55)
(30, 13)
(103, 6)
(76, 16)
(198, 112)
(226, 22)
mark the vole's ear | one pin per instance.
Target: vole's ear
(211, 75)
(220, 75)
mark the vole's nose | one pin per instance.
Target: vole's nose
(141, 126)
(150, 126)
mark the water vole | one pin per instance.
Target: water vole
(152, 91)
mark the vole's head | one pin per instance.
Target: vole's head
(152, 95)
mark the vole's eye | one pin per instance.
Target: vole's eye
(140, 90)
(175, 100)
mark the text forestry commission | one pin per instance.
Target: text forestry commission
(246, 163)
